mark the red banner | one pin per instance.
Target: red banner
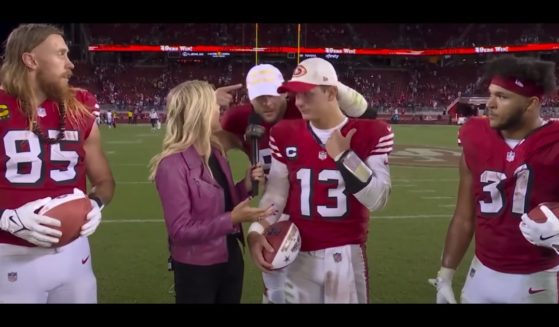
(341, 51)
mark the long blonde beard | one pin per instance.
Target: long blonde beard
(54, 91)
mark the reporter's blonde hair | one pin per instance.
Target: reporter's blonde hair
(190, 107)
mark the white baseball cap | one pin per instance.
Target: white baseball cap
(309, 74)
(263, 79)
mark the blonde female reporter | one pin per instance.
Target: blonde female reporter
(202, 206)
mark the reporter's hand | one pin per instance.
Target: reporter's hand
(244, 212)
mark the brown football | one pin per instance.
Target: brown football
(72, 215)
(538, 216)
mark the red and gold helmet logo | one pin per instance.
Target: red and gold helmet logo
(299, 71)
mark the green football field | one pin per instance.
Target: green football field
(405, 239)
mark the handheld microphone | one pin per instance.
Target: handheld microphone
(253, 133)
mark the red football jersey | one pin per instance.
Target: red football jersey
(235, 121)
(31, 169)
(507, 183)
(89, 100)
(318, 203)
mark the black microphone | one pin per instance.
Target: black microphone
(253, 133)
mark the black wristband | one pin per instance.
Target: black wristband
(352, 183)
(96, 199)
(342, 157)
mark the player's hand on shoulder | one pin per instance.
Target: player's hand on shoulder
(25, 222)
(338, 144)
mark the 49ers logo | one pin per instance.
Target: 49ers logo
(299, 71)
(409, 155)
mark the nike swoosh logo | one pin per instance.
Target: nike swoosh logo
(547, 238)
(531, 291)
(85, 260)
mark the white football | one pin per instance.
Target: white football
(285, 238)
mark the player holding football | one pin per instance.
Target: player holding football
(508, 166)
(262, 83)
(327, 172)
(49, 143)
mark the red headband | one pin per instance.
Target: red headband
(525, 88)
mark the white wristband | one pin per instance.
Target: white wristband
(256, 227)
(446, 273)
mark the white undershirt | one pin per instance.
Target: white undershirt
(324, 134)
(512, 143)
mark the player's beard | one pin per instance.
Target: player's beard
(58, 89)
(514, 121)
(270, 116)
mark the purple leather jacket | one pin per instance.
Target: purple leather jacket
(194, 208)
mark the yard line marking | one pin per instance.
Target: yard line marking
(130, 164)
(152, 134)
(133, 221)
(125, 142)
(437, 197)
(426, 180)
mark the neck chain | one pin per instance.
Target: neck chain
(61, 126)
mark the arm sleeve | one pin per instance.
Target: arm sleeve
(277, 190)
(276, 152)
(375, 194)
(277, 187)
(351, 102)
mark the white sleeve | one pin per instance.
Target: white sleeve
(351, 102)
(276, 192)
(375, 195)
